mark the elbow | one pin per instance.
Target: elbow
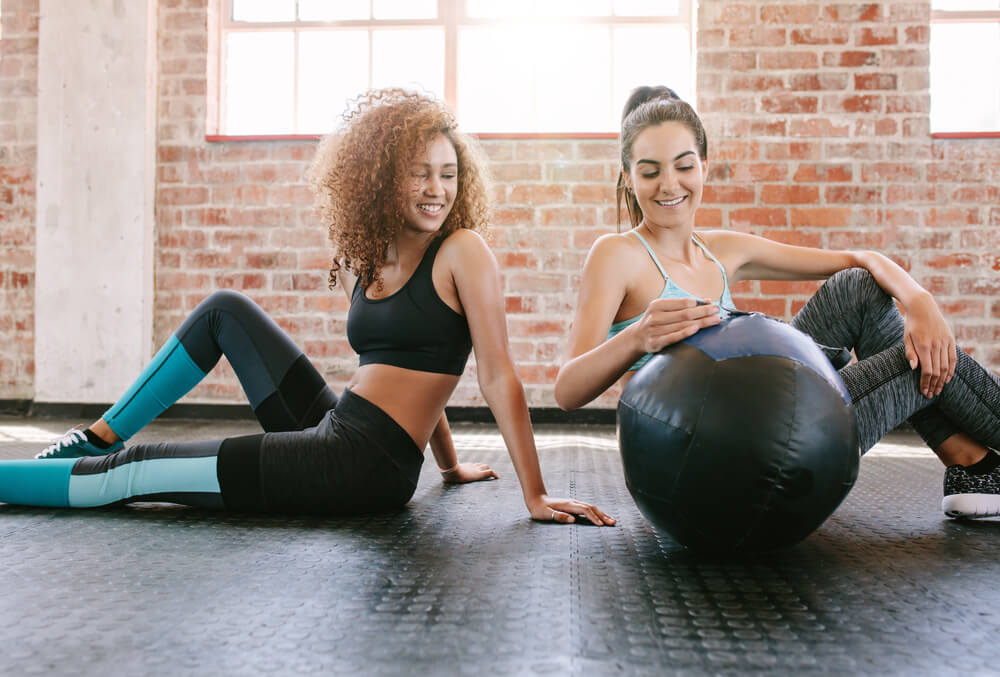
(564, 398)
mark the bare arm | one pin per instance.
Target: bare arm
(593, 363)
(443, 448)
(477, 280)
(929, 341)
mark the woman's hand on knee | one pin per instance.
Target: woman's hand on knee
(930, 344)
(469, 472)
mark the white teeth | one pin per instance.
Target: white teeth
(433, 209)
(670, 203)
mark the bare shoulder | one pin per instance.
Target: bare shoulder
(615, 251)
(465, 249)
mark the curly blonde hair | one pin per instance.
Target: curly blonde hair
(359, 171)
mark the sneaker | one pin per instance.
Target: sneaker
(968, 495)
(75, 444)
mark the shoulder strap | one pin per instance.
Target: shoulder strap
(709, 254)
(651, 254)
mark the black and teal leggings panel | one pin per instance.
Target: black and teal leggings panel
(284, 389)
(853, 311)
(176, 473)
(355, 460)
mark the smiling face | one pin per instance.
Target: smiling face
(433, 184)
(667, 175)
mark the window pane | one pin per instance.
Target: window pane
(572, 88)
(333, 69)
(405, 9)
(558, 81)
(964, 97)
(410, 58)
(634, 67)
(957, 5)
(492, 9)
(259, 83)
(263, 10)
(334, 10)
(647, 7)
(494, 81)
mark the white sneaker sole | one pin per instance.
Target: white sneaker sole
(971, 505)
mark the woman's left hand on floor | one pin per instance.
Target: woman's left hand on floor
(567, 510)
(470, 472)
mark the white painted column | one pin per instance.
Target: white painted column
(96, 181)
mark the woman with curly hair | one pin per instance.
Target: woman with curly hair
(404, 196)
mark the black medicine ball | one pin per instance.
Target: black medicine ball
(740, 438)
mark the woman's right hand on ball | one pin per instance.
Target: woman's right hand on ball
(668, 321)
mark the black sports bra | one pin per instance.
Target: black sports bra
(413, 328)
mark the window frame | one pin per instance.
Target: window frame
(450, 17)
(964, 16)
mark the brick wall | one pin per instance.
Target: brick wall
(18, 93)
(818, 134)
(819, 116)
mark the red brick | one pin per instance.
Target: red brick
(583, 216)
(794, 236)
(818, 127)
(726, 61)
(910, 103)
(756, 36)
(601, 193)
(821, 172)
(951, 217)
(758, 171)
(789, 103)
(856, 239)
(789, 194)
(788, 14)
(758, 216)
(850, 59)
(536, 194)
(918, 35)
(889, 171)
(520, 304)
(818, 81)
(822, 34)
(801, 150)
(853, 104)
(708, 218)
(753, 83)
(879, 35)
(875, 81)
(798, 287)
(728, 194)
(772, 307)
(852, 13)
(853, 194)
(787, 60)
(948, 261)
(837, 217)
(507, 171)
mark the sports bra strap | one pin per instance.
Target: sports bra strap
(651, 254)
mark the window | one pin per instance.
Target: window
(515, 67)
(965, 58)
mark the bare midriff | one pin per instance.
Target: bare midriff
(413, 399)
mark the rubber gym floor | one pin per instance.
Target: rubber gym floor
(462, 582)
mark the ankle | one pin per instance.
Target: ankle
(961, 449)
(104, 431)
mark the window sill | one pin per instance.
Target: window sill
(965, 135)
(225, 138)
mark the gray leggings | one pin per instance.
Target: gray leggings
(852, 310)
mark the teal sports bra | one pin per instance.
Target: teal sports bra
(672, 291)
